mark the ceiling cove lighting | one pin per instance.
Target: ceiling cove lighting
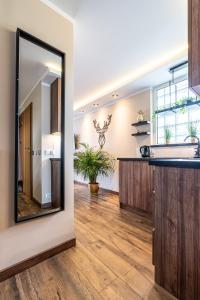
(149, 67)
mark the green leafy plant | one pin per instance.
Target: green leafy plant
(153, 115)
(90, 163)
(193, 128)
(167, 134)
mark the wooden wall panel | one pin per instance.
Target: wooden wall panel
(135, 185)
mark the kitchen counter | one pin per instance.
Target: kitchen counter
(134, 158)
(193, 163)
(178, 162)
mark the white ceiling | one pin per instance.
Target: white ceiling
(118, 42)
(70, 7)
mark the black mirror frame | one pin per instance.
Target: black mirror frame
(22, 34)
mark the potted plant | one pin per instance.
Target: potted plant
(192, 131)
(90, 163)
(168, 135)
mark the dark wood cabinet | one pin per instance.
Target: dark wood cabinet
(55, 182)
(194, 44)
(56, 106)
(176, 238)
(136, 185)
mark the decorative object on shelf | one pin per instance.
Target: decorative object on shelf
(77, 141)
(102, 131)
(90, 163)
(193, 130)
(168, 135)
(140, 116)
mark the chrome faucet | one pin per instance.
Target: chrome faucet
(197, 152)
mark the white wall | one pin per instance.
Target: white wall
(46, 145)
(50, 144)
(21, 241)
(36, 99)
(119, 141)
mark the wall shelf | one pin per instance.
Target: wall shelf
(142, 123)
(177, 107)
(141, 133)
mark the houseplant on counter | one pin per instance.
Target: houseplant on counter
(193, 130)
(90, 163)
(168, 135)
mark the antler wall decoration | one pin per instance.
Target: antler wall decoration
(102, 131)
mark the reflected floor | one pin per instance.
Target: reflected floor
(28, 207)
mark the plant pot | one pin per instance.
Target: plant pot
(193, 140)
(167, 142)
(94, 188)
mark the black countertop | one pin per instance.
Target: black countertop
(134, 158)
(178, 162)
(192, 163)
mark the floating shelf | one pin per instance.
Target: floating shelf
(141, 133)
(142, 123)
(176, 107)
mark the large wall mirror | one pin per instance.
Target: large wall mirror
(39, 180)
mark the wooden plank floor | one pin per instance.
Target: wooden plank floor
(112, 259)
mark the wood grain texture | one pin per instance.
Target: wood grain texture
(112, 258)
(135, 185)
(194, 44)
(56, 106)
(55, 182)
(21, 266)
(177, 237)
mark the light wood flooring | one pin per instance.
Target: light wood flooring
(112, 259)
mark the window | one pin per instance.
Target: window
(177, 115)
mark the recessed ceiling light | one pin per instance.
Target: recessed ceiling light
(82, 111)
(115, 95)
(95, 104)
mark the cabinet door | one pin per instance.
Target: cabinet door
(123, 182)
(55, 182)
(177, 231)
(135, 185)
(165, 234)
(194, 44)
(56, 106)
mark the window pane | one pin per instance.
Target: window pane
(177, 122)
(161, 102)
(170, 119)
(181, 117)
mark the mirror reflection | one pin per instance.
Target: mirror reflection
(39, 131)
